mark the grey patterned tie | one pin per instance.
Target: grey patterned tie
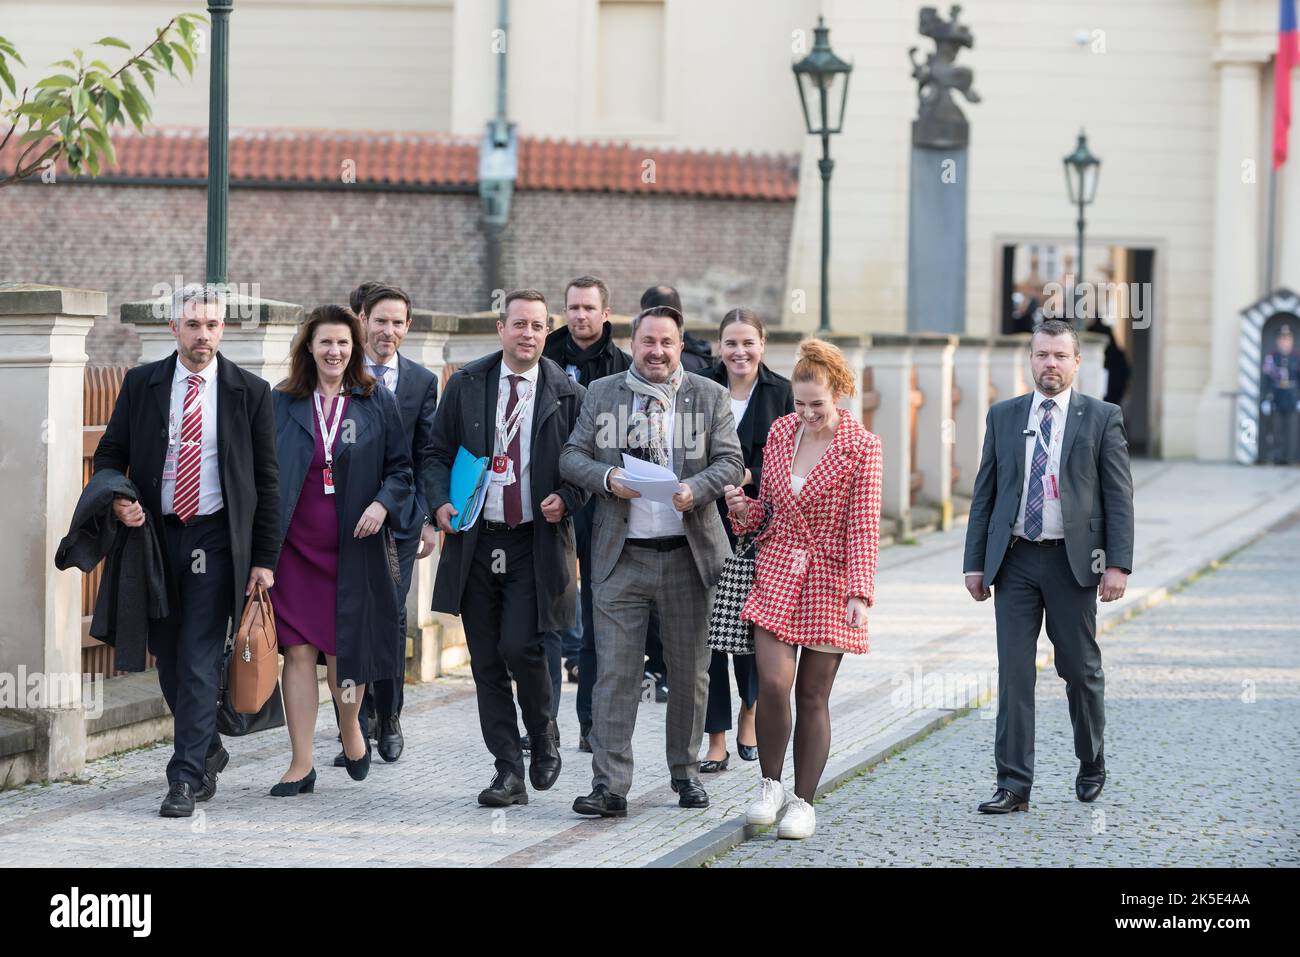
(380, 372)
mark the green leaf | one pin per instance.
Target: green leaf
(81, 57)
(112, 108)
(79, 100)
(33, 135)
(65, 129)
(92, 162)
(108, 84)
(66, 64)
(101, 66)
(186, 28)
(10, 50)
(104, 145)
(113, 42)
(7, 78)
(147, 74)
(57, 81)
(163, 54)
(183, 52)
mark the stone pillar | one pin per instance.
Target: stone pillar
(426, 343)
(1009, 366)
(1288, 210)
(1091, 379)
(932, 355)
(855, 349)
(891, 364)
(1236, 276)
(43, 357)
(936, 241)
(257, 337)
(971, 363)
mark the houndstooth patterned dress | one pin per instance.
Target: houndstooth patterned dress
(819, 548)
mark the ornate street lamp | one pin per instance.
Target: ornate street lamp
(1081, 172)
(823, 75)
(218, 140)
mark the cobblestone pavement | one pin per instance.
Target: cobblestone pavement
(1202, 748)
(422, 810)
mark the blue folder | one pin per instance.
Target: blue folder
(468, 485)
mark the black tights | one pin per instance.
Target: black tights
(812, 690)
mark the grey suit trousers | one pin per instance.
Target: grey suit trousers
(1035, 579)
(669, 582)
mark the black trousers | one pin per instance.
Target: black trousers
(499, 612)
(384, 696)
(1035, 579)
(189, 646)
(718, 716)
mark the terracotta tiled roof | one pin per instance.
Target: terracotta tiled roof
(444, 161)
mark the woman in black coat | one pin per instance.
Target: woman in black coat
(345, 476)
(758, 398)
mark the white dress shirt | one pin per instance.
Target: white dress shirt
(647, 519)
(389, 370)
(1053, 523)
(494, 506)
(209, 475)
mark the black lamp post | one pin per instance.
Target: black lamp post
(822, 72)
(1081, 172)
(218, 140)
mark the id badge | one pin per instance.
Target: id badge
(1050, 489)
(328, 475)
(503, 470)
(169, 465)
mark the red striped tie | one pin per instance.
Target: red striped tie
(185, 501)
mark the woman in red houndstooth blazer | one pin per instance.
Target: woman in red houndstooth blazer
(815, 575)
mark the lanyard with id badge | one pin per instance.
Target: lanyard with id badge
(327, 436)
(1051, 484)
(503, 466)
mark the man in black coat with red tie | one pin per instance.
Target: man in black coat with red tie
(196, 434)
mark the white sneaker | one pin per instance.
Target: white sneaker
(800, 820)
(771, 799)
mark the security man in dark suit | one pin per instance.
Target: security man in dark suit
(1050, 529)
(196, 434)
(385, 313)
(510, 575)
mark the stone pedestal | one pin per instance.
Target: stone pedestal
(42, 362)
(971, 366)
(932, 356)
(257, 337)
(936, 241)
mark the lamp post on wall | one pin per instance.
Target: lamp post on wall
(1081, 172)
(824, 75)
(218, 140)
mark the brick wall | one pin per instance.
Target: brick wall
(310, 246)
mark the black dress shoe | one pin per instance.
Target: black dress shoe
(179, 801)
(1091, 778)
(358, 769)
(544, 766)
(747, 752)
(213, 765)
(600, 803)
(507, 788)
(371, 724)
(584, 729)
(304, 785)
(713, 767)
(525, 744)
(1004, 802)
(690, 793)
(661, 689)
(390, 739)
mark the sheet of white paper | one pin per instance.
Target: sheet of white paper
(654, 482)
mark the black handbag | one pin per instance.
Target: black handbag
(234, 724)
(727, 632)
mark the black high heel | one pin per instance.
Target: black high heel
(304, 785)
(358, 769)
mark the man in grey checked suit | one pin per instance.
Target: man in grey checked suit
(1051, 529)
(648, 554)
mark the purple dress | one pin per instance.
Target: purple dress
(305, 595)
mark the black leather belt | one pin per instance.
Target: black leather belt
(491, 526)
(659, 544)
(172, 519)
(1041, 543)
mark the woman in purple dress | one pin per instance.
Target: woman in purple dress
(345, 473)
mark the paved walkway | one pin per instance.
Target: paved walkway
(421, 810)
(1202, 748)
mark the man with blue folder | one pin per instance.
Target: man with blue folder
(509, 573)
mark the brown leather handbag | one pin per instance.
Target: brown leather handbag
(254, 661)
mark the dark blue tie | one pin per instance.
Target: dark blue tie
(1034, 507)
